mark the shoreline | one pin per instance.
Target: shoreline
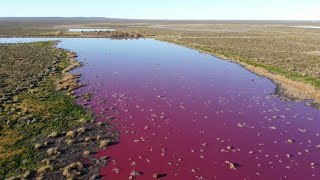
(286, 88)
(69, 151)
(87, 136)
(71, 154)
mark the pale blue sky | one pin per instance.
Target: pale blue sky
(165, 9)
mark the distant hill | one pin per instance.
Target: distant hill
(52, 19)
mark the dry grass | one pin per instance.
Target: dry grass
(8, 137)
(23, 65)
(69, 81)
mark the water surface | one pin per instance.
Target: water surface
(308, 27)
(90, 30)
(187, 114)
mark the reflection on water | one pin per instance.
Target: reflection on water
(25, 40)
(90, 30)
(308, 27)
(189, 115)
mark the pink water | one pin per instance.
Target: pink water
(184, 114)
(178, 110)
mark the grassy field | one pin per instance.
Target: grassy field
(33, 108)
(23, 65)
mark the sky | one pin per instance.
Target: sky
(166, 9)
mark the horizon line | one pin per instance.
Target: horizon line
(161, 19)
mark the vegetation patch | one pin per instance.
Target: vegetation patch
(30, 113)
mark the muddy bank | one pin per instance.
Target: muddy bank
(71, 154)
(287, 89)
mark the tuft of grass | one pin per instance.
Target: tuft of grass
(37, 112)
